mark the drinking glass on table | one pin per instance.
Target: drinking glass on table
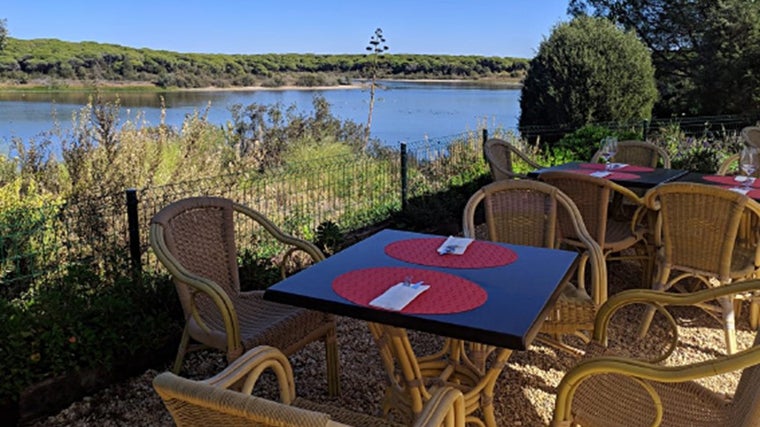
(608, 150)
(748, 164)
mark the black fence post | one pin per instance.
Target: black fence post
(404, 176)
(485, 138)
(133, 222)
(645, 129)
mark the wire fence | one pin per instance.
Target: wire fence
(352, 191)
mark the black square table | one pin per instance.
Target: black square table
(644, 180)
(519, 295)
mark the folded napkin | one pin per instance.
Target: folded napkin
(613, 166)
(740, 190)
(399, 296)
(454, 245)
(600, 174)
(740, 178)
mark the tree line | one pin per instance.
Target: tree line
(23, 61)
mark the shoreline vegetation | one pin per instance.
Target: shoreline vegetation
(55, 65)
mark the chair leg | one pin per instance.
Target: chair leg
(183, 343)
(333, 363)
(754, 313)
(729, 323)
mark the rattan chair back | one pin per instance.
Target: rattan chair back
(609, 389)
(640, 153)
(529, 213)
(195, 240)
(226, 400)
(751, 135)
(501, 157)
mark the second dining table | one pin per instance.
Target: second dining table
(493, 294)
(632, 176)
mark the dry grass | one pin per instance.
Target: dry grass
(524, 393)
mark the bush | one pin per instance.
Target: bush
(588, 71)
(584, 142)
(81, 321)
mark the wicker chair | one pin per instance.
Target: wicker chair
(194, 239)
(501, 156)
(641, 153)
(620, 391)
(528, 213)
(696, 236)
(751, 134)
(614, 233)
(226, 400)
(747, 227)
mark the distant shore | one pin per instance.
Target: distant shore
(118, 86)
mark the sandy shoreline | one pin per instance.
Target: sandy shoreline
(147, 86)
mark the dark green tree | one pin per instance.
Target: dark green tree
(588, 71)
(376, 49)
(706, 52)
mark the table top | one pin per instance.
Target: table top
(519, 294)
(639, 177)
(720, 180)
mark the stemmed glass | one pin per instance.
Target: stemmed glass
(609, 148)
(748, 164)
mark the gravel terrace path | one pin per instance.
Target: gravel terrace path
(525, 391)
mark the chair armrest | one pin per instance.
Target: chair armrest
(662, 299)
(445, 407)
(249, 367)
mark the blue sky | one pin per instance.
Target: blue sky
(476, 27)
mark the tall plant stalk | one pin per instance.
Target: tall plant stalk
(376, 48)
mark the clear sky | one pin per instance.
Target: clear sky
(464, 27)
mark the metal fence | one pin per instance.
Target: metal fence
(352, 191)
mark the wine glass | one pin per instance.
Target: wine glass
(748, 164)
(608, 151)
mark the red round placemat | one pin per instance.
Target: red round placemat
(447, 293)
(729, 181)
(628, 168)
(423, 251)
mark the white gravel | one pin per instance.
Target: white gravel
(524, 394)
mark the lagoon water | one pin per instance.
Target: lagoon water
(404, 111)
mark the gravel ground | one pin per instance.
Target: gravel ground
(524, 393)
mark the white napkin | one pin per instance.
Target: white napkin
(398, 296)
(741, 178)
(613, 166)
(454, 245)
(740, 190)
(600, 174)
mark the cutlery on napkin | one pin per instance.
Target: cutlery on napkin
(743, 179)
(454, 245)
(740, 190)
(613, 166)
(600, 174)
(399, 296)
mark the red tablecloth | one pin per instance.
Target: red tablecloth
(447, 293)
(479, 254)
(619, 173)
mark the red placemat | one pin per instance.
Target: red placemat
(424, 252)
(628, 168)
(613, 175)
(447, 293)
(729, 182)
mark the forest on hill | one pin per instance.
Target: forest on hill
(56, 63)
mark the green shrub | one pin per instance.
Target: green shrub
(584, 142)
(588, 71)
